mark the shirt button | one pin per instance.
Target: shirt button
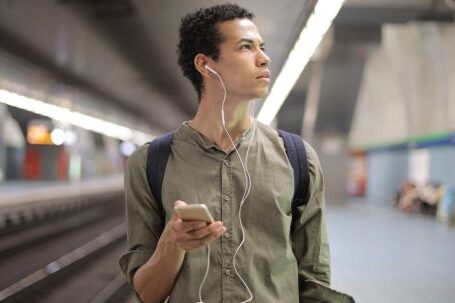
(228, 272)
(226, 162)
(227, 235)
(226, 198)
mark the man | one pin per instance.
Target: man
(222, 53)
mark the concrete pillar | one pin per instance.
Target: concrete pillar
(310, 113)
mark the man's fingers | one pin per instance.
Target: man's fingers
(204, 232)
(179, 203)
(196, 233)
(176, 204)
(197, 243)
(188, 226)
(174, 216)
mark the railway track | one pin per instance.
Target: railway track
(71, 258)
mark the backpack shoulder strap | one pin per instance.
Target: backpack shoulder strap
(159, 150)
(295, 150)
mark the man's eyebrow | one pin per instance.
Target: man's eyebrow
(261, 43)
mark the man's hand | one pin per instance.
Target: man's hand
(191, 235)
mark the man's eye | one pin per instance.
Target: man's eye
(245, 46)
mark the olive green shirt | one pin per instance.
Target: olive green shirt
(277, 265)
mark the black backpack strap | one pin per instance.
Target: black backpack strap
(158, 154)
(295, 150)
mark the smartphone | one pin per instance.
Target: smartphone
(194, 212)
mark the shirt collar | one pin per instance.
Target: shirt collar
(186, 131)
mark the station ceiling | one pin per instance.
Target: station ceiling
(124, 51)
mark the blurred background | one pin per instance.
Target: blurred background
(369, 83)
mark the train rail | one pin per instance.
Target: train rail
(63, 246)
(73, 275)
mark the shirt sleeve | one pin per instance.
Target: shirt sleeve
(144, 220)
(310, 241)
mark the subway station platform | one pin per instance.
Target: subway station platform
(380, 254)
(21, 191)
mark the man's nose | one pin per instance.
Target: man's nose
(263, 59)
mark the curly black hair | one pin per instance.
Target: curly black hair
(199, 34)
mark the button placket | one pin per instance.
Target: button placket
(227, 209)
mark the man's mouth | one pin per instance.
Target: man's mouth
(264, 75)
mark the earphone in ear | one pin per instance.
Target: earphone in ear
(211, 69)
(222, 83)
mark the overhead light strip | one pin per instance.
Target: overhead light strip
(75, 118)
(309, 39)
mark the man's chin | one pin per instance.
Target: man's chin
(263, 94)
(259, 95)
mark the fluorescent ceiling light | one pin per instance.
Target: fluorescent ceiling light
(66, 115)
(309, 39)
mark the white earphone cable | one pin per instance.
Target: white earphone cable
(245, 195)
(206, 274)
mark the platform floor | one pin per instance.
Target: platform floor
(380, 254)
(15, 187)
(21, 192)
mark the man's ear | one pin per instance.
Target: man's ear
(200, 60)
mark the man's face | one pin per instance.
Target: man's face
(242, 63)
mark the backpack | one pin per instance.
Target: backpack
(160, 148)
